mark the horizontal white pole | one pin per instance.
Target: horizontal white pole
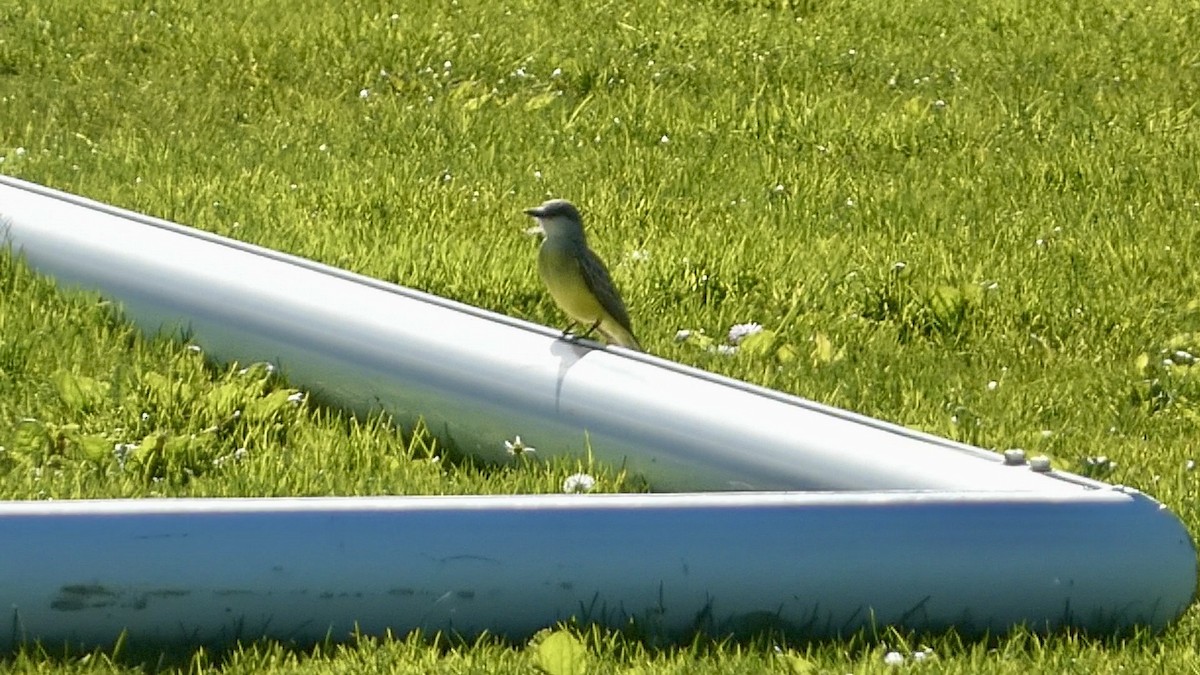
(475, 376)
(213, 570)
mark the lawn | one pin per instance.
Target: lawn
(976, 219)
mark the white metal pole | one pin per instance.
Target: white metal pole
(478, 377)
(212, 570)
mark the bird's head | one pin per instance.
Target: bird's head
(557, 218)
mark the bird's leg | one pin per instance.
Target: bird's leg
(592, 329)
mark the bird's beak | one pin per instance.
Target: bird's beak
(534, 212)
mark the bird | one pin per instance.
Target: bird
(576, 277)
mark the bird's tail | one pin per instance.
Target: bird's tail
(619, 335)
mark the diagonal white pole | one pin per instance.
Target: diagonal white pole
(475, 376)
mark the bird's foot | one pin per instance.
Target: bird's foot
(591, 330)
(575, 337)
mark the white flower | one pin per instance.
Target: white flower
(893, 659)
(578, 482)
(741, 331)
(939, 104)
(265, 366)
(19, 152)
(537, 175)
(639, 255)
(726, 350)
(297, 398)
(991, 386)
(556, 72)
(516, 447)
(123, 451)
(447, 65)
(682, 335)
(364, 93)
(664, 139)
(193, 348)
(1190, 465)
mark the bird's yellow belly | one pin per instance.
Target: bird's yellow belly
(560, 272)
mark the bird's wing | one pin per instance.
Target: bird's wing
(595, 274)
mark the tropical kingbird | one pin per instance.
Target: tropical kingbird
(576, 277)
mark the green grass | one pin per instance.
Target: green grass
(1036, 167)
